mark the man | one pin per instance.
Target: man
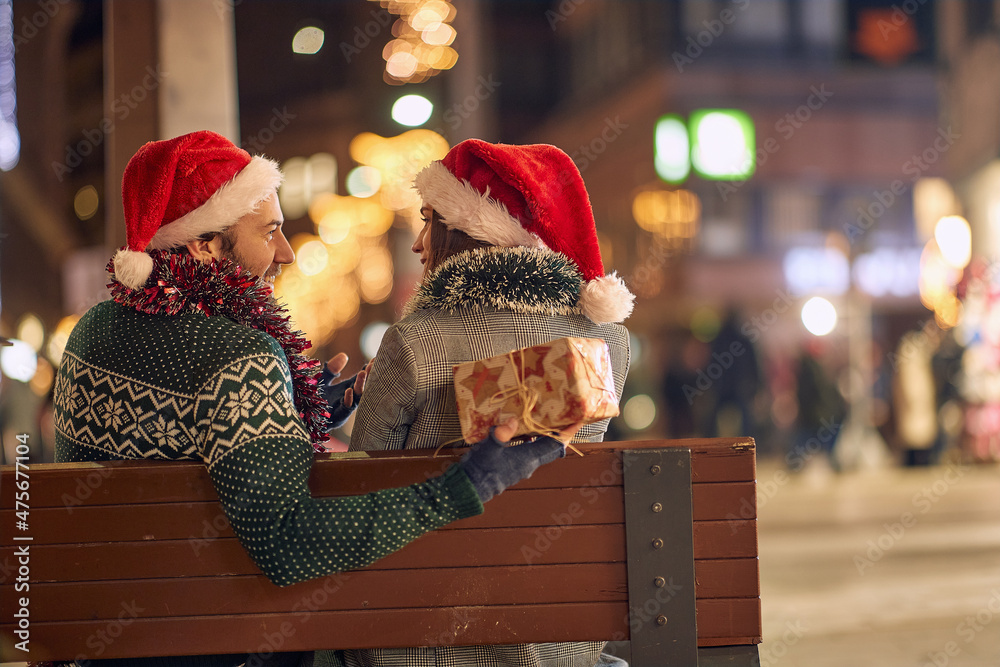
(194, 359)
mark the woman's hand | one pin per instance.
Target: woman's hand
(337, 364)
(342, 396)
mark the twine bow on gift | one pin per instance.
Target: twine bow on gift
(529, 399)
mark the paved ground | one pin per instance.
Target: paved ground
(895, 568)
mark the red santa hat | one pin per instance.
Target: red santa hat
(177, 190)
(526, 196)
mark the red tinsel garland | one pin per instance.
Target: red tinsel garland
(179, 283)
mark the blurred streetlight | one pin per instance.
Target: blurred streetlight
(954, 238)
(412, 110)
(18, 361)
(819, 316)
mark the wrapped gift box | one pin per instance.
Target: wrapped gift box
(547, 387)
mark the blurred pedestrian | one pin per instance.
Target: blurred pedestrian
(821, 410)
(735, 392)
(684, 405)
(914, 399)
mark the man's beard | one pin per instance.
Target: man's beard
(270, 274)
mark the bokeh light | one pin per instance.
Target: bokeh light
(421, 47)
(412, 110)
(85, 202)
(937, 276)
(809, 270)
(308, 40)
(819, 316)
(31, 331)
(41, 381)
(312, 257)
(374, 273)
(10, 138)
(933, 199)
(705, 324)
(59, 338)
(639, 412)
(305, 180)
(672, 215)
(401, 65)
(363, 181)
(371, 338)
(18, 361)
(954, 238)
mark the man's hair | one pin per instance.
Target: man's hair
(444, 242)
(226, 236)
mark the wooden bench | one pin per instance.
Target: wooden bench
(653, 542)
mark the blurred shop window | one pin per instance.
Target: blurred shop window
(763, 21)
(791, 213)
(861, 216)
(822, 23)
(980, 17)
(699, 12)
(606, 43)
(886, 33)
(762, 27)
(727, 224)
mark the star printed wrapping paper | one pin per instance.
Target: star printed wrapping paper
(546, 387)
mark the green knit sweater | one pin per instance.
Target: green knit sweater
(187, 386)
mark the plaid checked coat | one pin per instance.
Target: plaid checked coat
(477, 304)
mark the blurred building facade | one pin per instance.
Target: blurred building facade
(853, 103)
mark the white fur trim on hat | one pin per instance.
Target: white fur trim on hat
(606, 299)
(132, 268)
(240, 196)
(464, 208)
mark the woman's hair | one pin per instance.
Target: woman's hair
(443, 242)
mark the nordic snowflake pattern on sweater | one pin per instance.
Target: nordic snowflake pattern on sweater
(188, 386)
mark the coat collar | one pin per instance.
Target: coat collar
(522, 279)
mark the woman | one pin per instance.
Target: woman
(511, 259)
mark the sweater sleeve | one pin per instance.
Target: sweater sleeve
(388, 405)
(259, 458)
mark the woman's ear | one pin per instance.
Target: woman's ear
(202, 250)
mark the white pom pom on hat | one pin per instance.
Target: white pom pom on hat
(606, 299)
(176, 190)
(132, 268)
(529, 195)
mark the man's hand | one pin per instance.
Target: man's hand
(492, 466)
(504, 432)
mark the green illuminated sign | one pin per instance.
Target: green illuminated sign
(722, 144)
(672, 153)
(718, 143)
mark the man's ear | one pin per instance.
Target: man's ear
(202, 250)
